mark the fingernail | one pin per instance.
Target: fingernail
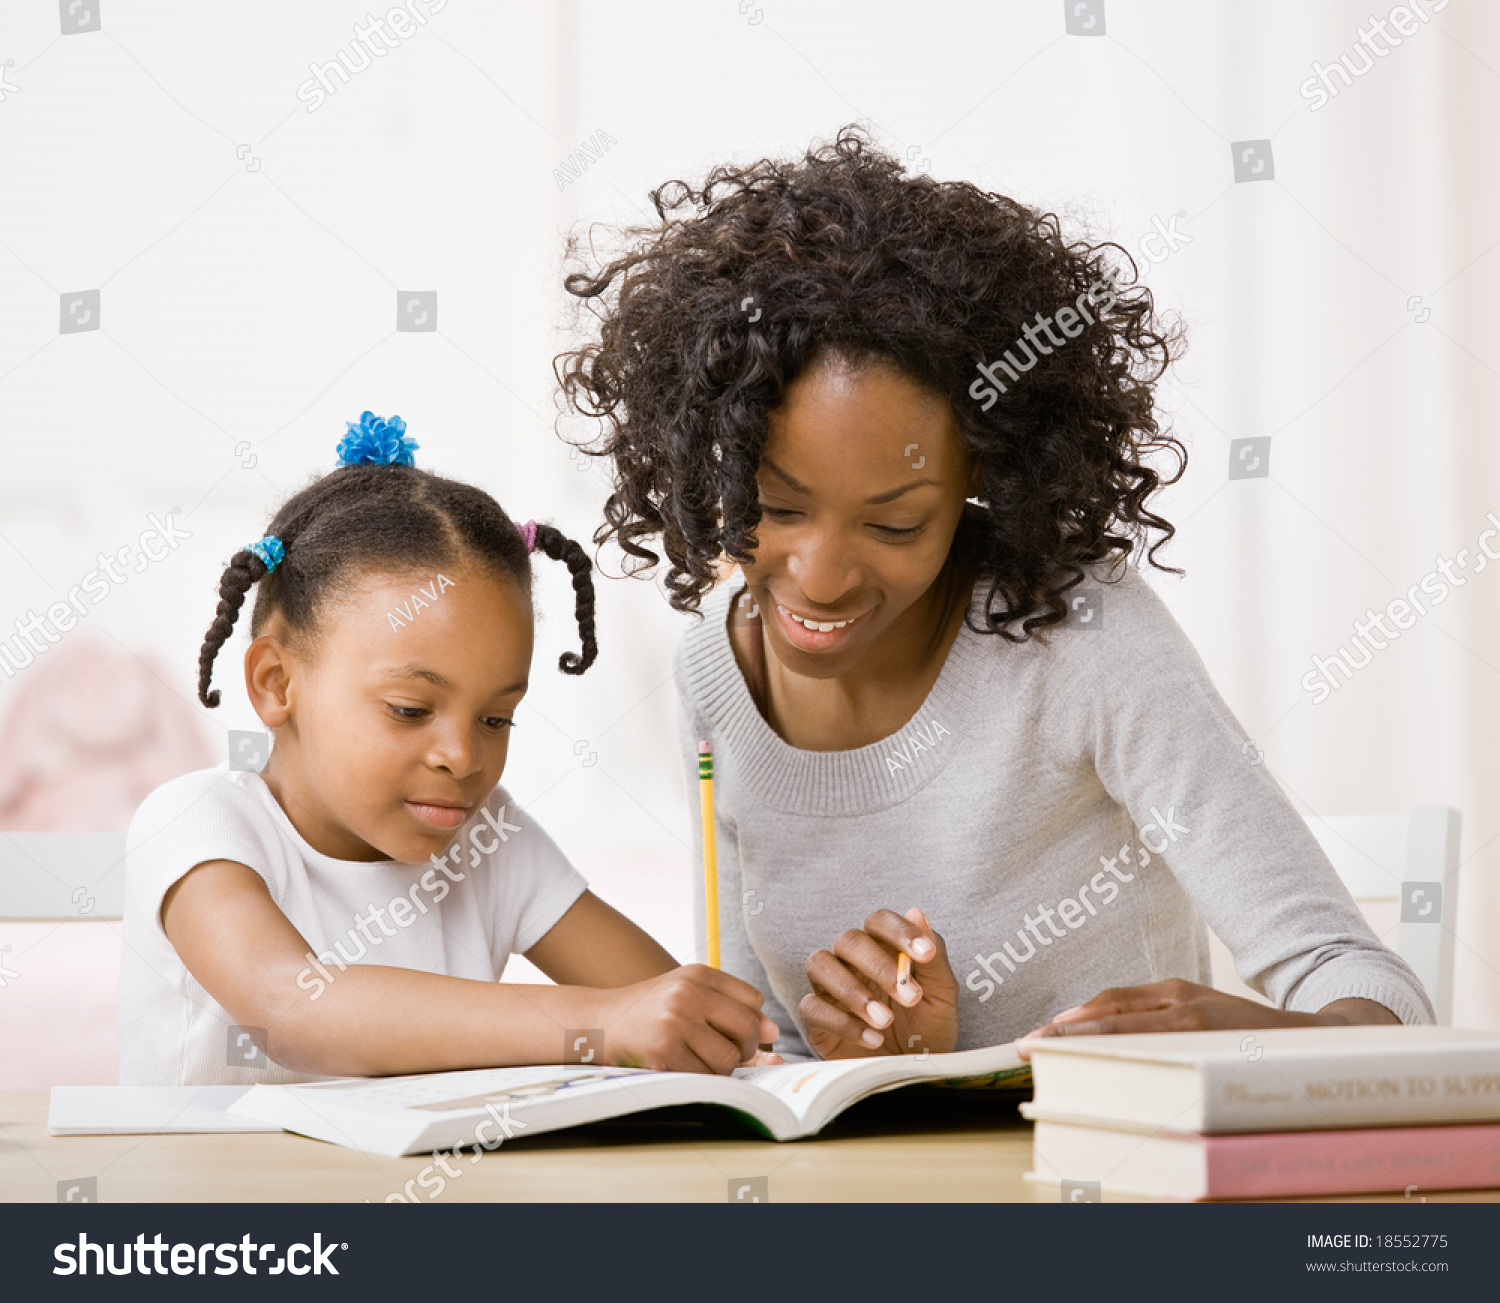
(922, 948)
(879, 1014)
(1066, 1012)
(909, 993)
(872, 1038)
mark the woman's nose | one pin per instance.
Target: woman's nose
(822, 567)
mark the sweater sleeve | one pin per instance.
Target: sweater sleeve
(1167, 748)
(736, 953)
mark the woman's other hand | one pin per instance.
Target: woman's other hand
(856, 1007)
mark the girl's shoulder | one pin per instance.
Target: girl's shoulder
(204, 806)
(202, 789)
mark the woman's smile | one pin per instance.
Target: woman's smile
(810, 634)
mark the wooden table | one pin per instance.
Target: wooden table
(921, 1145)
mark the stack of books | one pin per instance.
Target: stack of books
(1275, 1113)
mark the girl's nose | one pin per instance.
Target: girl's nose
(454, 750)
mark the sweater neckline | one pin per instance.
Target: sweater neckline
(883, 773)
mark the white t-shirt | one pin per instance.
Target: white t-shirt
(504, 886)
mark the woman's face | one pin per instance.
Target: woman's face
(862, 484)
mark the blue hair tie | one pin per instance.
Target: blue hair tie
(378, 441)
(269, 550)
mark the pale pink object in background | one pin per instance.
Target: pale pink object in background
(90, 730)
(57, 1018)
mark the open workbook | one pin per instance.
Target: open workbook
(413, 1115)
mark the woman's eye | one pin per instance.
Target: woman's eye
(890, 531)
(779, 513)
(407, 712)
(498, 722)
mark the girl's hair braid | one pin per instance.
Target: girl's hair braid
(243, 570)
(382, 518)
(562, 548)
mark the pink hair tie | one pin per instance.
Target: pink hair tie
(528, 535)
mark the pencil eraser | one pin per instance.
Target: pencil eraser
(705, 747)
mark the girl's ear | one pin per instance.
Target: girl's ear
(268, 680)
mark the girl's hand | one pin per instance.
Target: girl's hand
(856, 1009)
(691, 1019)
(1178, 1006)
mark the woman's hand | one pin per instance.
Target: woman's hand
(856, 1009)
(1178, 1006)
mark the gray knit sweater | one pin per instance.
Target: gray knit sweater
(1067, 815)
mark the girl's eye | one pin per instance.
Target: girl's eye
(891, 531)
(413, 713)
(778, 513)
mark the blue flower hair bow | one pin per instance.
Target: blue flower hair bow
(375, 439)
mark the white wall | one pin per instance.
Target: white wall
(259, 307)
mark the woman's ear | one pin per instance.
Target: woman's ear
(268, 679)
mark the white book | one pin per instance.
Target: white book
(417, 1114)
(146, 1110)
(1275, 1079)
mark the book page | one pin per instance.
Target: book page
(456, 1091)
(146, 1110)
(818, 1090)
(798, 1085)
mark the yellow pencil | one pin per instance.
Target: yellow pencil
(903, 969)
(710, 853)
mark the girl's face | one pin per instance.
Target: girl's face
(862, 485)
(395, 724)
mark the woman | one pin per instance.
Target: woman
(939, 685)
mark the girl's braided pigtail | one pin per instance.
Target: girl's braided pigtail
(560, 547)
(245, 567)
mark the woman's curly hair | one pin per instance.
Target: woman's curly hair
(844, 253)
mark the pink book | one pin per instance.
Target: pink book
(1269, 1164)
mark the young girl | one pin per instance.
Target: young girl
(349, 910)
(916, 416)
